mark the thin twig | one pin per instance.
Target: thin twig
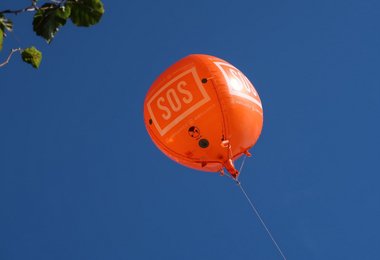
(10, 56)
(31, 8)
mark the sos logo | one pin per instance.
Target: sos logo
(238, 83)
(177, 99)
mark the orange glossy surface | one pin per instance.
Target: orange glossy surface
(203, 113)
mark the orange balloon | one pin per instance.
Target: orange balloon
(203, 113)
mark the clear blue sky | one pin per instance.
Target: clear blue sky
(81, 179)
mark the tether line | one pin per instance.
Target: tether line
(257, 212)
(262, 222)
(242, 163)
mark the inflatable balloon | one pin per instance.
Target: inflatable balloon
(203, 113)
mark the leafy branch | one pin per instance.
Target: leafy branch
(48, 19)
(31, 8)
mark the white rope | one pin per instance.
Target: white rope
(257, 212)
(262, 222)
(242, 164)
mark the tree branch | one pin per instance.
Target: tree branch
(31, 8)
(10, 56)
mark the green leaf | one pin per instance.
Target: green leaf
(1, 39)
(85, 12)
(5, 24)
(49, 18)
(32, 56)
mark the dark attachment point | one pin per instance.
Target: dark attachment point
(150, 121)
(203, 143)
(204, 80)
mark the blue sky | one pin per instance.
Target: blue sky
(81, 179)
